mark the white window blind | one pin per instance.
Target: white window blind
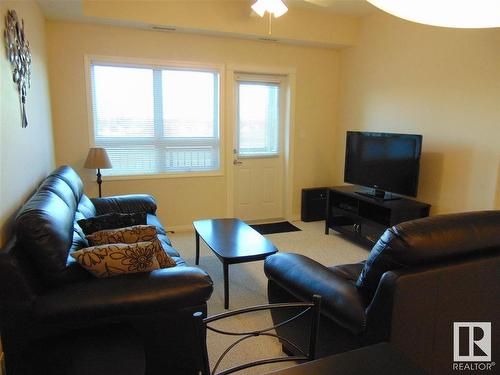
(156, 120)
(258, 118)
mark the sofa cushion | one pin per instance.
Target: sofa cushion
(153, 220)
(85, 207)
(85, 210)
(349, 272)
(117, 259)
(111, 221)
(430, 240)
(71, 178)
(167, 246)
(62, 190)
(44, 228)
(303, 277)
(164, 290)
(125, 204)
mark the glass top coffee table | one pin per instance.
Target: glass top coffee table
(232, 241)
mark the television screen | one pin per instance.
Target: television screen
(384, 161)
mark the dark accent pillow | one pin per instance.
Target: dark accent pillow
(111, 221)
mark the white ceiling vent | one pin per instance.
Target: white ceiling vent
(266, 39)
(163, 28)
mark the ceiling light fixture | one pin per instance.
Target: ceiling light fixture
(274, 8)
(446, 13)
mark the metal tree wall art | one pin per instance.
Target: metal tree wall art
(19, 55)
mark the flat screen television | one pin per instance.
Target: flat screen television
(386, 162)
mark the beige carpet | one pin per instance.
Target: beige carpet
(247, 285)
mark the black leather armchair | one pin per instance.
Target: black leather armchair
(45, 293)
(419, 278)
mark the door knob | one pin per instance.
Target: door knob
(237, 162)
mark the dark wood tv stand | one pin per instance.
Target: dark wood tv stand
(363, 218)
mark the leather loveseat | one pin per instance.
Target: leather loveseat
(420, 277)
(45, 293)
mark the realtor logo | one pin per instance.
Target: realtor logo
(472, 341)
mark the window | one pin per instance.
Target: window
(156, 120)
(258, 118)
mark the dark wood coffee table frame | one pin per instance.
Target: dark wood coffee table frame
(375, 359)
(232, 241)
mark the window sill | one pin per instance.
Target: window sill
(163, 176)
(258, 156)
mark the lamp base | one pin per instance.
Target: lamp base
(99, 181)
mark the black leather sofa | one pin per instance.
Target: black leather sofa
(44, 293)
(419, 278)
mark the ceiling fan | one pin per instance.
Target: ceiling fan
(276, 8)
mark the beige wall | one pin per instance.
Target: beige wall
(183, 199)
(442, 83)
(26, 155)
(229, 18)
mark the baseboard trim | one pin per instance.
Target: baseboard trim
(180, 228)
(265, 221)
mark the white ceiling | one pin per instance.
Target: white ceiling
(71, 9)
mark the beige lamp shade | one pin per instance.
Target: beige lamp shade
(97, 158)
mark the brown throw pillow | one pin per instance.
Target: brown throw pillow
(134, 234)
(129, 235)
(117, 259)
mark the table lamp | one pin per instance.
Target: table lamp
(97, 158)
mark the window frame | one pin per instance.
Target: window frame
(90, 60)
(261, 79)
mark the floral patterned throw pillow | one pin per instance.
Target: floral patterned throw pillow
(134, 234)
(117, 259)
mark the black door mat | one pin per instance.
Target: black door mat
(281, 227)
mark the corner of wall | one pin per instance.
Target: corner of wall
(27, 154)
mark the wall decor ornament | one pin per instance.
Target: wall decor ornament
(19, 55)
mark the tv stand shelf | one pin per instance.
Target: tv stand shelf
(364, 218)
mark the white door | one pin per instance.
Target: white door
(258, 160)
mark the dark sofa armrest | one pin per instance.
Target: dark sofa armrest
(303, 277)
(125, 204)
(162, 290)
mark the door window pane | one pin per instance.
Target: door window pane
(258, 118)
